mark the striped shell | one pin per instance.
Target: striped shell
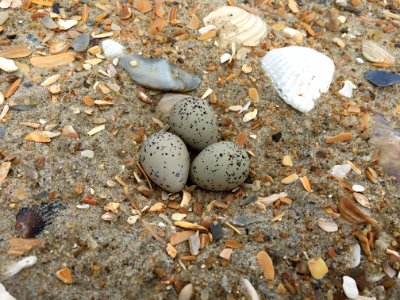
(377, 55)
(237, 25)
(299, 75)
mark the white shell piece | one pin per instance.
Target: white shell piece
(347, 89)
(350, 287)
(4, 295)
(250, 290)
(237, 25)
(112, 49)
(356, 253)
(19, 265)
(340, 171)
(7, 65)
(299, 75)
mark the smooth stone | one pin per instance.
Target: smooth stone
(81, 43)
(48, 22)
(158, 74)
(112, 49)
(23, 104)
(3, 17)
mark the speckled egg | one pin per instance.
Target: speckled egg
(194, 122)
(220, 167)
(165, 159)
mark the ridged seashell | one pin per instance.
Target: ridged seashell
(376, 54)
(299, 75)
(30, 221)
(237, 25)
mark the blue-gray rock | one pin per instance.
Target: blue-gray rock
(382, 78)
(2, 131)
(81, 43)
(48, 22)
(23, 104)
(158, 74)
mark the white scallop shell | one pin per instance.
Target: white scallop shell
(237, 25)
(299, 74)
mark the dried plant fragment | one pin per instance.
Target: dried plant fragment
(266, 265)
(351, 213)
(50, 61)
(387, 140)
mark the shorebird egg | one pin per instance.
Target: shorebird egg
(222, 166)
(194, 122)
(165, 159)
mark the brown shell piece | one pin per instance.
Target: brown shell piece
(377, 55)
(50, 61)
(16, 52)
(351, 213)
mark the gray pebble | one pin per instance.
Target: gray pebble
(81, 43)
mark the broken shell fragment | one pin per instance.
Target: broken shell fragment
(158, 74)
(112, 49)
(326, 225)
(382, 78)
(299, 75)
(377, 55)
(30, 221)
(351, 213)
(237, 25)
(7, 65)
(350, 287)
(20, 265)
(317, 268)
(387, 140)
(4, 295)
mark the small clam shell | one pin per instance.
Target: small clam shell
(237, 25)
(300, 75)
(377, 55)
(326, 225)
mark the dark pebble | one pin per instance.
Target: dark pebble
(216, 230)
(277, 137)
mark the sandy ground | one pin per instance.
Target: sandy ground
(128, 262)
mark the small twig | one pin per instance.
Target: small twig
(145, 175)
